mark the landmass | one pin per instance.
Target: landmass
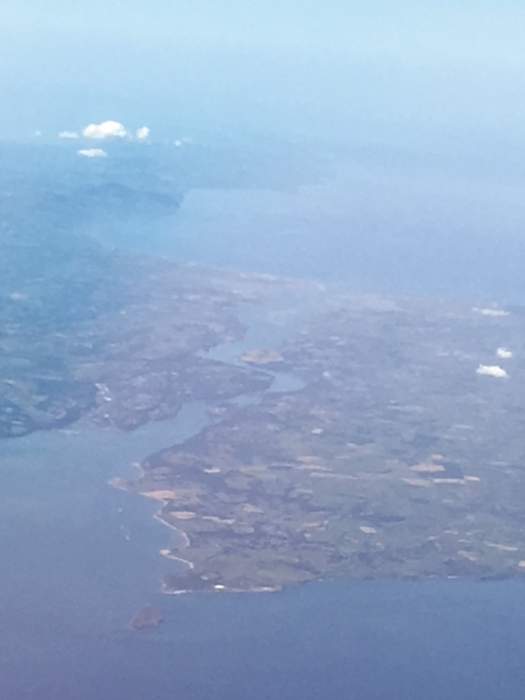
(398, 453)
(396, 459)
(148, 617)
(137, 354)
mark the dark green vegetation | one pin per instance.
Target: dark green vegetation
(136, 361)
(69, 302)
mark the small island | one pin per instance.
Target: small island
(148, 617)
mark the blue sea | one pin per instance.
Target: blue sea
(80, 557)
(426, 228)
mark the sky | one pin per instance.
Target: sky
(385, 71)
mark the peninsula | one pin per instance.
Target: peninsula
(350, 436)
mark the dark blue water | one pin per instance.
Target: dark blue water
(73, 580)
(79, 557)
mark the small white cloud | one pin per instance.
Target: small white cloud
(143, 133)
(492, 371)
(92, 153)
(492, 311)
(504, 353)
(368, 530)
(185, 141)
(105, 130)
(68, 135)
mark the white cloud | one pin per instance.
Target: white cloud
(143, 133)
(185, 141)
(105, 130)
(504, 353)
(492, 371)
(492, 311)
(68, 135)
(92, 153)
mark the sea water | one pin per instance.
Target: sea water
(79, 558)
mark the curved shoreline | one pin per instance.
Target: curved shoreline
(230, 352)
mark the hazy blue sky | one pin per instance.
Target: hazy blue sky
(383, 69)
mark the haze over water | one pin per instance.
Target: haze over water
(421, 109)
